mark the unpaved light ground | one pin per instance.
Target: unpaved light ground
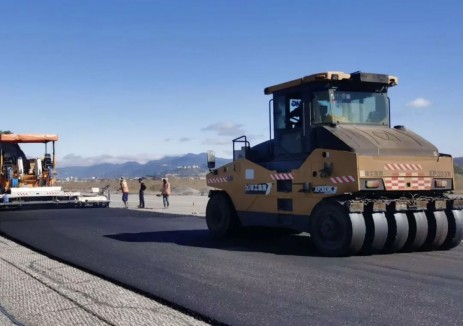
(180, 186)
(189, 196)
(182, 205)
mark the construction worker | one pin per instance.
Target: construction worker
(141, 193)
(165, 191)
(125, 192)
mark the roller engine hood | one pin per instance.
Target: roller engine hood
(374, 141)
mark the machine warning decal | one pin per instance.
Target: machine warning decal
(282, 176)
(219, 179)
(403, 167)
(258, 189)
(325, 189)
(342, 179)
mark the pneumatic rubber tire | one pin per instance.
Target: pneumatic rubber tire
(335, 231)
(455, 230)
(221, 217)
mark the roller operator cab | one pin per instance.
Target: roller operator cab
(335, 168)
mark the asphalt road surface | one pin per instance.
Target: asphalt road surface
(255, 279)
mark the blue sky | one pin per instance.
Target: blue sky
(123, 80)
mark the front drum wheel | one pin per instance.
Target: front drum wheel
(221, 217)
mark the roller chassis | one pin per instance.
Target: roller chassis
(348, 226)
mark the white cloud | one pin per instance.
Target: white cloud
(225, 129)
(419, 103)
(218, 142)
(77, 160)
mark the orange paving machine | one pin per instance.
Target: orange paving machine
(31, 183)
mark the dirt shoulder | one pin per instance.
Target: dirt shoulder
(179, 186)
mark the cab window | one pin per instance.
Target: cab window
(288, 111)
(332, 106)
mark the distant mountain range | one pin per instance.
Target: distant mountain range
(458, 161)
(189, 165)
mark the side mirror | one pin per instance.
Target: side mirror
(210, 160)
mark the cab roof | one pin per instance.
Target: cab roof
(27, 138)
(335, 75)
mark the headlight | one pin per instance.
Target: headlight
(442, 183)
(372, 184)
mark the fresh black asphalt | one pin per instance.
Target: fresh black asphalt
(258, 278)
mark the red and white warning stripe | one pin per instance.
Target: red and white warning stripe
(407, 181)
(403, 167)
(343, 179)
(216, 180)
(282, 176)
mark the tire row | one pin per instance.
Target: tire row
(337, 232)
(405, 231)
